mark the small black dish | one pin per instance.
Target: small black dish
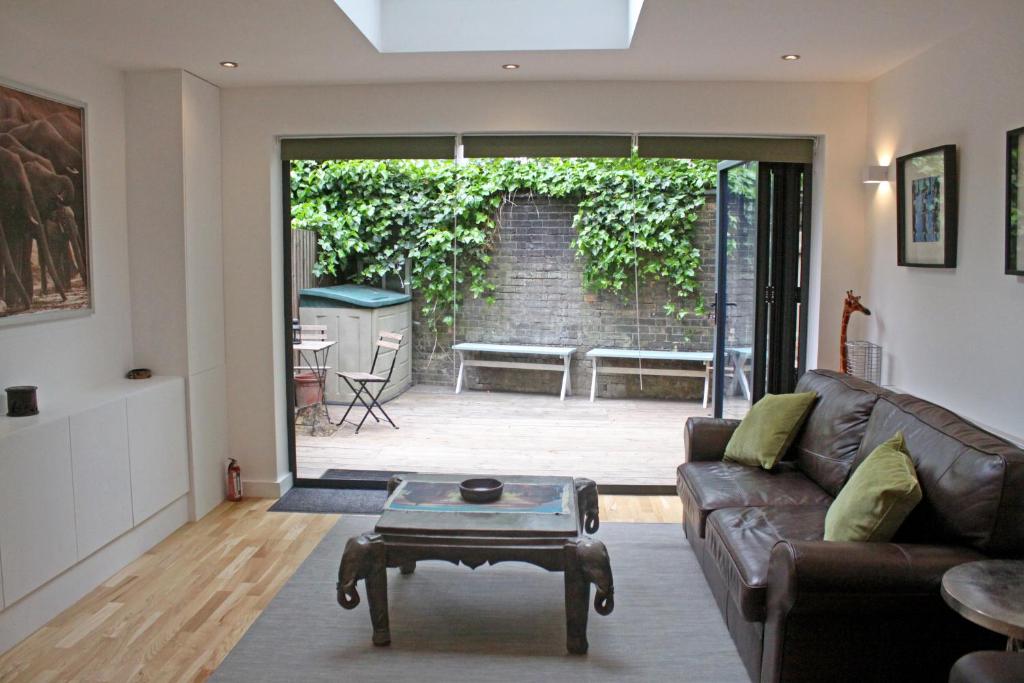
(481, 490)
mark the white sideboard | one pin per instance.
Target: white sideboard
(86, 471)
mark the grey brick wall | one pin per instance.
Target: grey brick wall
(540, 300)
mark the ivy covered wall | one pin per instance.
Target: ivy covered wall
(535, 251)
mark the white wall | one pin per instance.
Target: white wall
(953, 336)
(68, 357)
(253, 119)
(174, 210)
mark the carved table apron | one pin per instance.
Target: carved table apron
(555, 542)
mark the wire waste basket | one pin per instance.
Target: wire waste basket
(864, 361)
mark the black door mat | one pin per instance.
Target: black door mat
(361, 479)
(332, 501)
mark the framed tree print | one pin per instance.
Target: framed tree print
(926, 208)
(1014, 202)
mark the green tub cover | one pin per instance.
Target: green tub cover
(344, 296)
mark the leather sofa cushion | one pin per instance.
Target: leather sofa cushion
(739, 544)
(828, 444)
(972, 481)
(708, 486)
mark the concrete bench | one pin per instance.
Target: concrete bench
(563, 352)
(596, 355)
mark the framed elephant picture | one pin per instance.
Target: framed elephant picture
(44, 227)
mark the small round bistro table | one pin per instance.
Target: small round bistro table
(991, 594)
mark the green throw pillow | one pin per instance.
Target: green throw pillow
(765, 434)
(877, 498)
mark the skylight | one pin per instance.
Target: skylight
(494, 25)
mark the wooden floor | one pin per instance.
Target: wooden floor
(175, 613)
(612, 441)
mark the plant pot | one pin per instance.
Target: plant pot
(307, 390)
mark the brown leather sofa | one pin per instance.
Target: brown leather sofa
(802, 609)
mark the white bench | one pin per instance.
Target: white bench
(595, 356)
(563, 352)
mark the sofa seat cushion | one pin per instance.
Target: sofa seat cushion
(708, 486)
(739, 544)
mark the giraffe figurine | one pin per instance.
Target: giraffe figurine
(850, 306)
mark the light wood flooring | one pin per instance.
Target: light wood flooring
(612, 441)
(175, 613)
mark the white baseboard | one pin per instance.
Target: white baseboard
(24, 617)
(257, 488)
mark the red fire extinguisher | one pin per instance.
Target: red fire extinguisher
(234, 480)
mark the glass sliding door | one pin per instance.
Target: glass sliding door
(760, 302)
(735, 305)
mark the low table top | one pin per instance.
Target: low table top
(431, 505)
(516, 348)
(989, 593)
(702, 356)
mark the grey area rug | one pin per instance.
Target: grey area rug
(331, 501)
(500, 623)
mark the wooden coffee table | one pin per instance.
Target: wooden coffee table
(539, 520)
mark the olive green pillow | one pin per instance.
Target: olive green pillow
(877, 498)
(766, 432)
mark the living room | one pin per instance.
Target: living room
(121, 557)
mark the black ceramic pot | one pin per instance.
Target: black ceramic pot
(21, 401)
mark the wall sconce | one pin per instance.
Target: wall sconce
(876, 174)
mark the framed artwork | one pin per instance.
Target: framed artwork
(926, 208)
(1014, 202)
(44, 229)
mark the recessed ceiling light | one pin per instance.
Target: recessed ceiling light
(790, 58)
(509, 67)
(229, 65)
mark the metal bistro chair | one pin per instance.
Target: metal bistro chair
(391, 342)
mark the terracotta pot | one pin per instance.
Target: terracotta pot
(307, 390)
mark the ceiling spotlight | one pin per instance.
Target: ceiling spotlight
(509, 67)
(229, 65)
(790, 58)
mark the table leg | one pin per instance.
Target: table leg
(568, 376)
(565, 379)
(741, 361)
(365, 557)
(593, 381)
(577, 602)
(377, 599)
(707, 382)
(462, 370)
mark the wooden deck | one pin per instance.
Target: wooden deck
(613, 441)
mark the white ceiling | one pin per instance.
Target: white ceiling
(295, 42)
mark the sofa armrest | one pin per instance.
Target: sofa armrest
(705, 438)
(806, 577)
(871, 611)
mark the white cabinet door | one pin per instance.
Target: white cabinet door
(99, 458)
(157, 447)
(37, 507)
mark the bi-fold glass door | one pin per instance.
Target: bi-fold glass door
(760, 300)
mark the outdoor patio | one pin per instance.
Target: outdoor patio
(613, 441)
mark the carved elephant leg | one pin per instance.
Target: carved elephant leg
(377, 600)
(577, 602)
(597, 568)
(365, 558)
(586, 501)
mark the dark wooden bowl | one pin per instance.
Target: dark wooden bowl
(481, 490)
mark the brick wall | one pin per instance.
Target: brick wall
(540, 301)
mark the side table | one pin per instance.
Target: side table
(989, 593)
